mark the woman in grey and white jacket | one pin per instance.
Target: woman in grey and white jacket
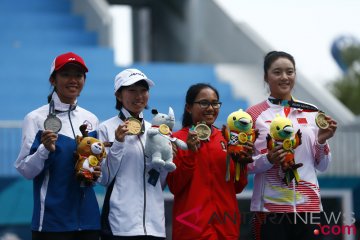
(133, 208)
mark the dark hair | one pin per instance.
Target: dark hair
(53, 75)
(273, 56)
(141, 83)
(191, 94)
(53, 88)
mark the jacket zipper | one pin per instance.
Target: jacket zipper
(144, 185)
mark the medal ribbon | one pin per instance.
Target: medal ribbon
(294, 104)
(52, 108)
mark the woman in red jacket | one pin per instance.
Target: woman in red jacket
(205, 205)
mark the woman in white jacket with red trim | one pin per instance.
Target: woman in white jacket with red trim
(277, 205)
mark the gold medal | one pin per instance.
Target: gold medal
(321, 121)
(242, 137)
(287, 144)
(93, 160)
(134, 126)
(164, 129)
(203, 131)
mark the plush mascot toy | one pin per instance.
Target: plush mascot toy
(238, 131)
(158, 145)
(89, 154)
(282, 132)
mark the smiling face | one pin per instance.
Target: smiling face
(68, 82)
(134, 98)
(281, 78)
(201, 114)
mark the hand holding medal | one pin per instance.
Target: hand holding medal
(193, 142)
(133, 126)
(321, 121)
(200, 132)
(48, 139)
(327, 127)
(52, 126)
(203, 131)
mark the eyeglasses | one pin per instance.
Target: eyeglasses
(206, 104)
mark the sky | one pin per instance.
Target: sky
(304, 28)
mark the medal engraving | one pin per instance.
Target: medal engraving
(242, 137)
(52, 122)
(93, 161)
(134, 126)
(287, 144)
(321, 121)
(164, 129)
(203, 131)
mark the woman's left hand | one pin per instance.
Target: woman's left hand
(174, 149)
(97, 171)
(193, 141)
(325, 134)
(246, 156)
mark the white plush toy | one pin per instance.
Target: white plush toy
(158, 145)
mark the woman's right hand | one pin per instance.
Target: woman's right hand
(193, 141)
(121, 132)
(48, 139)
(276, 155)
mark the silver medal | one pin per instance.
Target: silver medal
(52, 122)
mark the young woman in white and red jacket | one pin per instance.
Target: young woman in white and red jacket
(272, 198)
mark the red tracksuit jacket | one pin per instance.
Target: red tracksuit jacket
(205, 205)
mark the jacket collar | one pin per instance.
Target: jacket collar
(126, 114)
(60, 106)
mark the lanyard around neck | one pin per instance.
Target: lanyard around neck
(294, 104)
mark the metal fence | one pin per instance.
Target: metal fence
(345, 149)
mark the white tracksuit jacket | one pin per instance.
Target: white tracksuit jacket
(270, 194)
(132, 206)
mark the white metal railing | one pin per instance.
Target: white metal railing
(345, 150)
(10, 141)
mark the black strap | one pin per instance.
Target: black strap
(293, 104)
(52, 108)
(53, 111)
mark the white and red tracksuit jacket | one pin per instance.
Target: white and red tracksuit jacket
(270, 194)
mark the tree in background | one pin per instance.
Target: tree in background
(347, 88)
